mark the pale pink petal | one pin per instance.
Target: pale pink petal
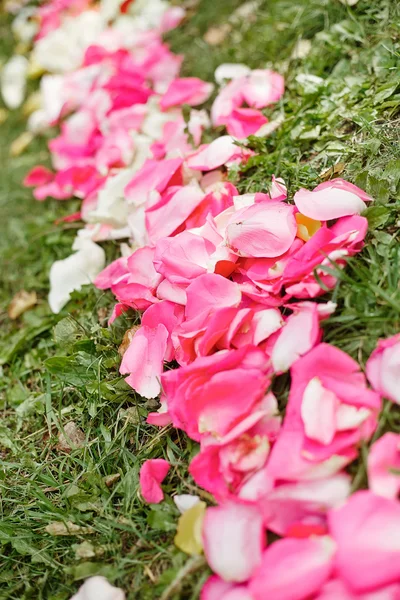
(234, 539)
(266, 229)
(299, 334)
(342, 184)
(384, 466)
(152, 473)
(263, 87)
(383, 368)
(215, 588)
(229, 98)
(213, 155)
(367, 532)
(182, 258)
(328, 203)
(143, 360)
(293, 569)
(318, 412)
(172, 17)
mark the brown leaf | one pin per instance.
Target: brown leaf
(71, 438)
(335, 170)
(68, 528)
(216, 35)
(21, 302)
(126, 340)
(109, 480)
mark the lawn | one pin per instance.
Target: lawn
(67, 513)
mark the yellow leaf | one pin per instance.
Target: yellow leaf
(21, 302)
(188, 538)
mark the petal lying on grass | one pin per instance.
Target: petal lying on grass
(98, 588)
(329, 202)
(152, 473)
(73, 272)
(211, 156)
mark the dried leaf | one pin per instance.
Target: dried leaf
(126, 340)
(71, 438)
(335, 170)
(109, 480)
(85, 550)
(68, 528)
(21, 302)
(216, 35)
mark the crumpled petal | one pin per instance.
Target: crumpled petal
(152, 473)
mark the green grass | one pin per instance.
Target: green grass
(57, 369)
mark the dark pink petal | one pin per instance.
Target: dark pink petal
(152, 473)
